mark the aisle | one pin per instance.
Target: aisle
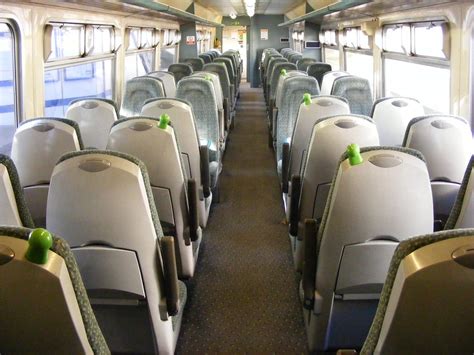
(244, 295)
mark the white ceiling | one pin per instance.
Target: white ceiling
(266, 7)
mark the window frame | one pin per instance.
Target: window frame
(332, 46)
(88, 57)
(17, 72)
(411, 57)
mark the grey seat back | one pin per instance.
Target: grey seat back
(200, 94)
(206, 58)
(221, 70)
(308, 114)
(188, 138)
(328, 81)
(196, 63)
(274, 76)
(37, 146)
(95, 118)
(446, 143)
(288, 53)
(167, 78)
(180, 70)
(292, 93)
(284, 50)
(357, 91)
(116, 236)
(328, 140)
(13, 208)
(392, 115)
(157, 148)
(442, 323)
(281, 80)
(303, 63)
(230, 69)
(271, 65)
(358, 235)
(295, 57)
(270, 56)
(137, 91)
(462, 213)
(318, 70)
(218, 94)
(39, 297)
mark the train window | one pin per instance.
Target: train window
(358, 55)
(140, 56)
(67, 41)
(330, 48)
(428, 39)
(8, 98)
(103, 39)
(81, 64)
(397, 38)
(168, 52)
(416, 63)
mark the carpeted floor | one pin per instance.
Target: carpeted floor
(243, 298)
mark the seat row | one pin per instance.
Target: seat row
(379, 197)
(132, 214)
(102, 203)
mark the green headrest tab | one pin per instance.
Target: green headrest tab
(307, 99)
(40, 241)
(283, 72)
(208, 77)
(164, 121)
(353, 151)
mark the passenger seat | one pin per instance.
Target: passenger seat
(154, 142)
(95, 117)
(379, 197)
(446, 143)
(101, 202)
(194, 156)
(44, 307)
(13, 208)
(37, 146)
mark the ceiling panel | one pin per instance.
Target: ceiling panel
(266, 7)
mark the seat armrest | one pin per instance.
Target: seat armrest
(205, 174)
(170, 275)
(193, 209)
(309, 263)
(294, 203)
(227, 110)
(285, 161)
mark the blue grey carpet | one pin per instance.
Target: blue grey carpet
(244, 298)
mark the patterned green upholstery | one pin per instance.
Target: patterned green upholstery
(67, 121)
(357, 91)
(317, 70)
(23, 210)
(146, 179)
(195, 63)
(344, 156)
(456, 211)
(303, 63)
(404, 248)
(60, 247)
(180, 70)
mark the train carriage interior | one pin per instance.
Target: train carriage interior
(236, 176)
